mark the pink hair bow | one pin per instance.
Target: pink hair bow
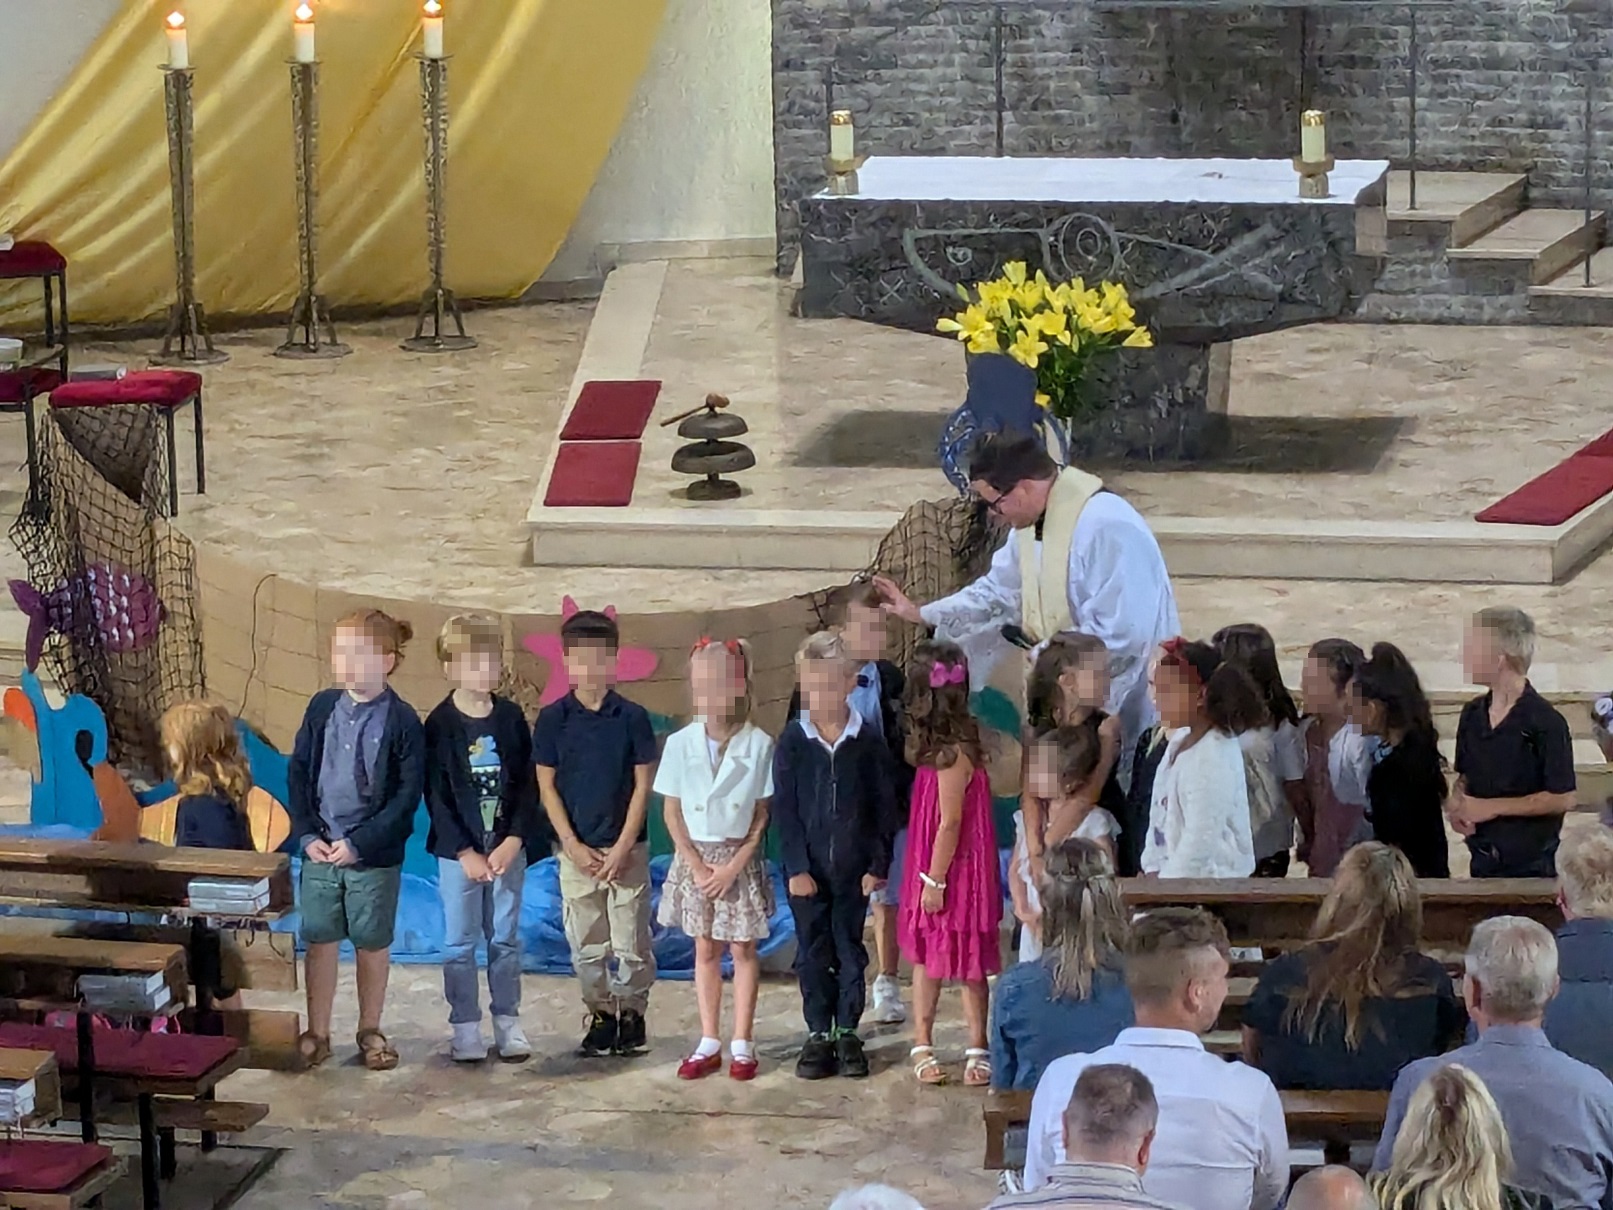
(947, 674)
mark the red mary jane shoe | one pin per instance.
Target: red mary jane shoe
(698, 1066)
(742, 1069)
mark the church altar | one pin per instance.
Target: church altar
(1211, 251)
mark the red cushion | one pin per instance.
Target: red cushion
(163, 388)
(47, 1165)
(1554, 497)
(611, 411)
(1602, 447)
(19, 386)
(128, 1053)
(31, 258)
(593, 474)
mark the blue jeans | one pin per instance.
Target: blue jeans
(471, 912)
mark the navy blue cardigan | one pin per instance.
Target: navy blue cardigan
(835, 814)
(456, 816)
(397, 787)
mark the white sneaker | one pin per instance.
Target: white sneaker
(888, 1007)
(468, 1046)
(510, 1041)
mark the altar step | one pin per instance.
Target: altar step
(1473, 251)
(1566, 299)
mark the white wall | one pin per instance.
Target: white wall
(693, 163)
(42, 41)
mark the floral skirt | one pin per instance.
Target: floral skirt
(743, 914)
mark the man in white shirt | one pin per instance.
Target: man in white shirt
(1221, 1142)
(1080, 558)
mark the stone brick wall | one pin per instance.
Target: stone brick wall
(1501, 84)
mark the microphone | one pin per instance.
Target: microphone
(1017, 637)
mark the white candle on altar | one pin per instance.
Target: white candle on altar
(178, 43)
(842, 136)
(1312, 136)
(431, 30)
(302, 34)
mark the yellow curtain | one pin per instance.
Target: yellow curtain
(536, 88)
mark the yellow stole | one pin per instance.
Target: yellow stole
(1045, 582)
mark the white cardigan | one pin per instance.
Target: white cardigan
(1198, 824)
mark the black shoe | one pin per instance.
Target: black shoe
(632, 1036)
(818, 1059)
(852, 1061)
(601, 1036)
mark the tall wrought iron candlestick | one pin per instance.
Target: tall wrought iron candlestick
(438, 305)
(186, 340)
(311, 332)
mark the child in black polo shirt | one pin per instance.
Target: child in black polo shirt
(595, 751)
(835, 810)
(1514, 755)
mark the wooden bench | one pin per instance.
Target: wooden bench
(1339, 1117)
(51, 1174)
(43, 967)
(1280, 912)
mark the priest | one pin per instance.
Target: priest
(1079, 558)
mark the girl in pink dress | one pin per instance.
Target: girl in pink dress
(951, 894)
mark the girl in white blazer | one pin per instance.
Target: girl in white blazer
(1199, 818)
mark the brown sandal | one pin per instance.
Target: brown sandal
(312, 1049)
(376, 1050)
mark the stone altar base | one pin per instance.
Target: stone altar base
(1165, 404)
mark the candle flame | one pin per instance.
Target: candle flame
(304, 13)
(176, 20)
(433, 9)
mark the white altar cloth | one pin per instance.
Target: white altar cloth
(935, 178)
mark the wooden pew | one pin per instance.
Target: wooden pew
(45, 968)
(101, 1170)
(129, 877)
(40, 1067)
(1279, 912)
(1328, 1117)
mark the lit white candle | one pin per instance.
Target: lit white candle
(431, 30)
(178, 42)
(842, 136)
(302, 34)
(1312, 136)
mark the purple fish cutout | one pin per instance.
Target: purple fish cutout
(127, 611)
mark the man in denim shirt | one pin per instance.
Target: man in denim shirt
(1558, 1111)
(1579, 1022)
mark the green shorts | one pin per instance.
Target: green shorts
(349, 903)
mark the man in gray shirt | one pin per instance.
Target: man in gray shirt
(1558, 1111)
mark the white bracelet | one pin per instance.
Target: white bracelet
(931, 883)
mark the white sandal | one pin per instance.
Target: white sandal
(927, 1068)
(976, 1068)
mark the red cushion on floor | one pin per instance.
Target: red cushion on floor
(19, 386)
(611, 411)
(47, 1165)
(164, 388)
(1554, 497)
(31, 258)
(128, 1053)
(593, 474)
(1602, 447)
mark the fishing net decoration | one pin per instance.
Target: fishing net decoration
(115, 582)
(935, 549)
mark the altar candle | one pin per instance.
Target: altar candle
(302, 34)
(431, 30)
(1312, 136)
(842, 136)
(178, 42)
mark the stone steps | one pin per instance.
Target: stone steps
(1566, 299)
(1544, 243)
(1466, 204)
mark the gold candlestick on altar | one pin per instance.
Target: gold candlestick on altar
(311, 332)
(438, 305)
(1313, 163)
(187, 340)
(843, 160)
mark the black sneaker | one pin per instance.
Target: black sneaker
(818, 1059)
(632, 1036)
(852, 1061)
(601, 1036)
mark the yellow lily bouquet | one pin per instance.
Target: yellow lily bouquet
(1055, 330)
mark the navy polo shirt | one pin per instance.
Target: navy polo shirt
(594, 754)
(1530, 752)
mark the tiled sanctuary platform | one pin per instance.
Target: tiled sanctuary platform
(1358, 452)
